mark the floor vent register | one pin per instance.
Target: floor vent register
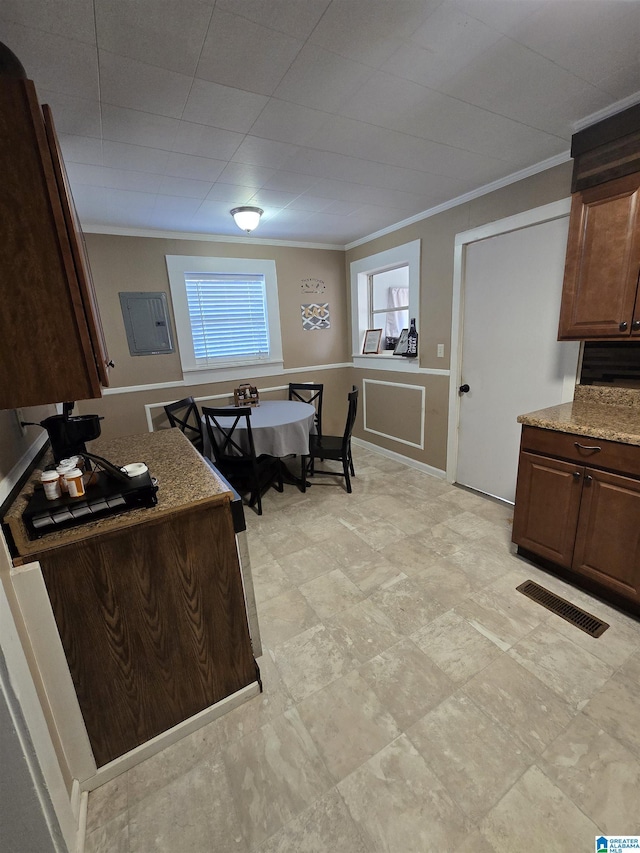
(561, 607)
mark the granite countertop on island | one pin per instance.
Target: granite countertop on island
(611, 414)
(184, 479)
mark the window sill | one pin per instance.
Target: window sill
(386, 361)
(234, 372)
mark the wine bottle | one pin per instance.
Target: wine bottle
(412, 340)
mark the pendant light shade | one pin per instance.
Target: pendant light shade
(247, 218)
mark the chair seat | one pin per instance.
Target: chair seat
(326, 446)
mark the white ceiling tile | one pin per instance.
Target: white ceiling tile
(292, 182)
(369, 31)
(232, 194)
(264, 152)
(105, 206)
(320, 79)
(204, 141)
(139, 158)
(343, 208)
(158, 32)
(62, 17)
(231, 39)
(444, 44)
(624, 83)
(81, 149)
(513, 81)
(222, 106)
(386, 100)
(246, 175)
(560, 30)
(285, 122)
(138, 128)
(199, 168)
(184, 187)
(383, 109)
(138, 86)
(175, 208)
(500, 15)
(271, 198)
(54, 62)
(77, 116)
(311, 203)
(287, 16)
(117, 179)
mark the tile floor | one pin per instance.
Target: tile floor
(413, 700)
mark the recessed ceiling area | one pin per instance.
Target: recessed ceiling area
(338, 118)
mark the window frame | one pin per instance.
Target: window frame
(233, 367)
(407, 254)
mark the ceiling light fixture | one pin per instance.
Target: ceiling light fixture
(247, 218)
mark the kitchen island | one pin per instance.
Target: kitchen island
(577, 508)
(149, 604)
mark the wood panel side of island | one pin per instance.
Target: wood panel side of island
(153, 623)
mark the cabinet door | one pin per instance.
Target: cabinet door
(46, 355)
(608, 539)
(79, 251)
(603, 259)
(547, 506)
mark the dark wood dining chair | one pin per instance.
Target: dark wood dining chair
(334, 447)
(235, 454)
(309, 392)
(184, 415)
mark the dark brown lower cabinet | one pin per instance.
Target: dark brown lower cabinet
(580, 517)
(153, 623)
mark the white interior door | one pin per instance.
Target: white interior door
(511, 359)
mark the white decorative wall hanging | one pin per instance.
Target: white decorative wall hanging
(315, 315)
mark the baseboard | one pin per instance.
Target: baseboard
(130, 759)
(398, 457)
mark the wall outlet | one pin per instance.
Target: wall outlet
(440, 350)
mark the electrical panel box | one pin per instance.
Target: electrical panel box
(146, 321)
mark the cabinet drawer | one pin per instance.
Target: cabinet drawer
(576, 448)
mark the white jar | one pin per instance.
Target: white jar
(75, 483)
(64, 466)
(51, 484)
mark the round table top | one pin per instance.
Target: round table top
(274, 413)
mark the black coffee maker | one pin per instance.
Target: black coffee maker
(68, 433)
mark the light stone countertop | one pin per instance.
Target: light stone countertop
(612, 414)
(184, 479)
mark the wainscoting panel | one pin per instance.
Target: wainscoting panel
(394, 410)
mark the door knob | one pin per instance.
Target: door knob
(623, 326)
(463, 389)
(636, 325)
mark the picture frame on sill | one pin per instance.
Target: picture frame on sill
(403, 343)
(371, 341)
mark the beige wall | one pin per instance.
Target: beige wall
(437, 235)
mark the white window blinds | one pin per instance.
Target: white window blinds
(228, 315)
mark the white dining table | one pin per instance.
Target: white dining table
(279, 428)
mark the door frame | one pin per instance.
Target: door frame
(535, 216)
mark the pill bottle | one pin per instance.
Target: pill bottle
(64, 466)
(51, 484)
(75, 483)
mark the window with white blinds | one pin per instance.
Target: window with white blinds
(228, 315)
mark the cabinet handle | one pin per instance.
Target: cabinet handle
(623, 326)
(636, 325)
(588, 478)
(586, 447)
(577, 474)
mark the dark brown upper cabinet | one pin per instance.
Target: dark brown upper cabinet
(600, 292)
(51, 341)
